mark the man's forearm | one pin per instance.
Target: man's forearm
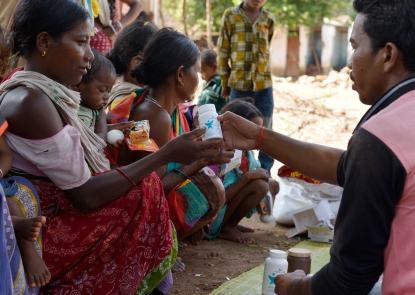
(300, 287)
(316, 161)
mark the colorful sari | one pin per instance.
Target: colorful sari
(21, 191)
(187, 203)
(125, 247)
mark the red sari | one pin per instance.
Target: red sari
(107, 251)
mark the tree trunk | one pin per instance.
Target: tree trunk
(161, 13)
(209, 23)
(185, 18)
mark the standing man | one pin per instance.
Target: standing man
(374, 230)
(245, 36)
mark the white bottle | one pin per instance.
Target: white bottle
(275, 264)
(208, 118)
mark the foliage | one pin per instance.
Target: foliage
(287, 12)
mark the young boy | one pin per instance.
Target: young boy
(245, 35)
(212, 88)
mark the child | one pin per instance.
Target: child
(27, 230)
(95, 89)
(245, 35)
(244, 186)
(212, 88)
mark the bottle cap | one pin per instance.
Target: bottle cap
(277, 253)
(298, 252)
(206, 108)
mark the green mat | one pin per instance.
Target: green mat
(250, 282)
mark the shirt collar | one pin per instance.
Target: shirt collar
(389, 97)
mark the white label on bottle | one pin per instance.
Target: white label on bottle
(213, 128)
(268, 284)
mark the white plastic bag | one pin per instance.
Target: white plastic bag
(296, 193)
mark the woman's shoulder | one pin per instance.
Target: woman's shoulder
(30, 113)
(157, 116)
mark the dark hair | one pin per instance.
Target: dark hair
(98, 63)
(165, 52)
(209, 57)
(243, 107)
(33, 17)
(390, 21)
(129, 43)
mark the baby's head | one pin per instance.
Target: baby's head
(97, 83)
(209, 64)
(245, 108)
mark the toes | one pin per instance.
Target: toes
(31, 281)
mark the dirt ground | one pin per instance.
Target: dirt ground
(306, 112)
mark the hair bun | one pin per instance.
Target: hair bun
(140, 73)
(120, 66)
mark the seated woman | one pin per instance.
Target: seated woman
(126, 55)
(170, 68)
(107, 231)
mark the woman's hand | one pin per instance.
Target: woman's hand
(257, 174)
(188, 148)
(294, 283)
(222, 156)
(238, 132)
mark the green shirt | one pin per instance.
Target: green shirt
(211, 93)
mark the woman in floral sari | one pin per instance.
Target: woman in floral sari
(107, 232)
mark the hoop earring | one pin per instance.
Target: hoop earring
(89, 64)
(44, 53)
(180, 85)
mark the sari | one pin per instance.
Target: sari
(191, 200)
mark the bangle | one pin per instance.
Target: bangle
(260, 138)
(125, 176)
(180, 174)
(113, 29)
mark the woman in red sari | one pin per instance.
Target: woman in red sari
(108, 232)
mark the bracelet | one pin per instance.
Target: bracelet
(113, 29)
(125, 176)
(180, 174)
(118, 26)
(260, 138)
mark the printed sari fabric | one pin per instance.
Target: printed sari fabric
(112, 250)
(21, 191)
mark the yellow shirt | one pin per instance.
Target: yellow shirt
(245, 45)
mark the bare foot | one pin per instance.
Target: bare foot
(233, 234)
(178, 266)
(182, 245)
(244, 229)
(28, 228)
(36, 271)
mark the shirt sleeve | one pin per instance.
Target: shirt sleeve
(373, 179)
(224, 49)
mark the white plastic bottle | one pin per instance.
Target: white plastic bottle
(208, 118)
(275, 264)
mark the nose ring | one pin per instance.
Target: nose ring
(89, 64)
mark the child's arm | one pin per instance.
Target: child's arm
(101, 128)
(224, 50)
(6, 157)
(232, 190)
(271, 31)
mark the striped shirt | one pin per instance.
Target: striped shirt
(246, 46)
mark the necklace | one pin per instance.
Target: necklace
(150, 99)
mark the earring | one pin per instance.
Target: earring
(44, 53)
(180, 85)
(89, 64)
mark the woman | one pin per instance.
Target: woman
(169, 67)
(110, 22)
(126, 55)
(108, 232)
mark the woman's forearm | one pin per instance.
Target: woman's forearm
(316, 161)
(105, 188)
(132, 14)
(171, 180)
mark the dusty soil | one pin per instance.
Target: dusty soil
(306, 112)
